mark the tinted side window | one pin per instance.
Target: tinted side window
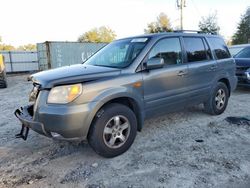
(195, 49)
(169, 49)
(220, 48)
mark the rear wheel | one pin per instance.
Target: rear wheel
(217, 102)
(113, 130)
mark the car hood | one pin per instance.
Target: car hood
(72, 74)
(242, 62)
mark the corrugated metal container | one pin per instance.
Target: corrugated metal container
(58, 54)
(20, 61)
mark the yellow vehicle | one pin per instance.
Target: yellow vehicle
(3, 82)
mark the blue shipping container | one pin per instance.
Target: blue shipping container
(57, 54)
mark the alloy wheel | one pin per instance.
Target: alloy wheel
(116, 131)
(220, 99)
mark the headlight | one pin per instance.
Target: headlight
(64, 94)
(248, 74)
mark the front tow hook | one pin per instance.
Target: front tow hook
(23, 133)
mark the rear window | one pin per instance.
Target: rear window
(195, 49)
(220, 48)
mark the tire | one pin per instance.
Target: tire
(3, 80)
(218, 100)
(3, 84)
(113, 130)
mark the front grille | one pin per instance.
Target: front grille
(240, 68)
(240, 71)
(30, 110)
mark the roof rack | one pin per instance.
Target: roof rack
(194, 31)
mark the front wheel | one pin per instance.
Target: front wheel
(113, 130)
(217, 102)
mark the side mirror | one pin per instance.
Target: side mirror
(154, 63)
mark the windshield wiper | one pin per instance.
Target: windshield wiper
(106, 66)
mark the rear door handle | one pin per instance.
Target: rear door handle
(181, 73)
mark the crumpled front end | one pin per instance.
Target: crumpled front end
(25, 116)
(61, 121)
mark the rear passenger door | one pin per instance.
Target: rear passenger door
(201, 68)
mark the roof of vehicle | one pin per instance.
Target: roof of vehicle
(239, 46)
(175, 33)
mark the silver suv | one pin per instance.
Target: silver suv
(106, 99)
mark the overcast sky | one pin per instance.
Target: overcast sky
(33, 21)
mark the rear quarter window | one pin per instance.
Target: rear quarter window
(219, 47)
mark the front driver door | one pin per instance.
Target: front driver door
(164, 88)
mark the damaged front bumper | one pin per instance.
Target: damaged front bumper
(64, 122)
(25, 116)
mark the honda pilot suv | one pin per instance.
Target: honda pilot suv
(106, 99)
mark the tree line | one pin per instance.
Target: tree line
(242, 34)
(207, 24)
(8, 47)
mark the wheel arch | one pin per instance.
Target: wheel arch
(227, 83)
(133, 103)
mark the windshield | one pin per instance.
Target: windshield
(245, 53)
(118, 54)
(235, 50)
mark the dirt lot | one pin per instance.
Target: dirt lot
(186, 149)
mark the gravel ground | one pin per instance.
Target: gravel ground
(185, 149)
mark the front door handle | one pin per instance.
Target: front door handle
(213, 67)
(181, 73)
